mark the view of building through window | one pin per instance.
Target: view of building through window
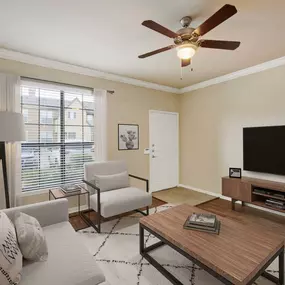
(60, 135)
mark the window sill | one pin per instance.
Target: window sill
(34, 192)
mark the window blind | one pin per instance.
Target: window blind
(59, 123)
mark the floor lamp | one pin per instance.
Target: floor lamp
(12, 129)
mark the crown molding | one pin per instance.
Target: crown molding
(48, 63)
(243, 72)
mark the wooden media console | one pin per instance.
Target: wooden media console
(254, 191)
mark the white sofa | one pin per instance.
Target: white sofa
(69, 262)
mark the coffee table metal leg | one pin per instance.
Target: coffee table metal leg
(152, 261)
(281, 267)
(277, 280)
(141, 233)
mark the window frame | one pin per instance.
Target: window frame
(63, 143)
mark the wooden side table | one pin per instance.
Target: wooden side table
(57, 193)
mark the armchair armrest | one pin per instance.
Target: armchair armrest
(47, 213)
(143, 179)
(91, 185)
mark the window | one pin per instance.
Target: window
(55, 149)
(25, 115)
(71, 115)
(46, 116)
(90, 119)
(70, 136)
(46, 137)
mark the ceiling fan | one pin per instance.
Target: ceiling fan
(187, 40)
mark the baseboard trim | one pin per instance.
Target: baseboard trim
(204, 191)
(229, 199)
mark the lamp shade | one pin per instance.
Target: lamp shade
(12, 127)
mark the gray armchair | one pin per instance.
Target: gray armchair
(110, 191)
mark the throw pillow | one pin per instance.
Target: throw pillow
(111, 182)
(31, 237)
(10, 254)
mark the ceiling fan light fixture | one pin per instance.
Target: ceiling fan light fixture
(186, 51)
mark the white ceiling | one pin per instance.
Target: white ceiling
(107, 35)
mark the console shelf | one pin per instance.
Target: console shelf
(269, 196)
(243, 190)
(261, 204)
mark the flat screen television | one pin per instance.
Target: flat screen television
(264, 149)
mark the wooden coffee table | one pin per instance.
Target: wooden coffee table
(238, 255)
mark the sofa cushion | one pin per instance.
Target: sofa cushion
(121, 201)
(69, 262)
(10, 254)
(31, 237)
(112, 182)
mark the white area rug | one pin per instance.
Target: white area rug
(116, 250)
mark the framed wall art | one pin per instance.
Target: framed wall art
(128, 137)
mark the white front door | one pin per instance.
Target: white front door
(164, 150)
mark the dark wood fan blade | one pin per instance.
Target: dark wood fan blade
(158, 28)
(185, 62)
(219, 17)
(157, 51)
(229, 45)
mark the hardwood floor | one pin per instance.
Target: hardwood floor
(180, 195)
(79, 224)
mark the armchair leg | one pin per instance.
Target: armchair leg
(99, 223)
(144, 213)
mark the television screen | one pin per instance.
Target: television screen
(264, 149)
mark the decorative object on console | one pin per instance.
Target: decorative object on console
(128, 137)
(12, 129)
(235, 172)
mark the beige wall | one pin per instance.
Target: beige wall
(129, 104)
(211, 122)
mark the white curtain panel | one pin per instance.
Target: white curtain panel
(100, 125)
(10, 100)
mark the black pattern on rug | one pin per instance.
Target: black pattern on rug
(108, 236)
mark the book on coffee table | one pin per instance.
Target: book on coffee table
(206, 220)
(202, 222)
(215, 230)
